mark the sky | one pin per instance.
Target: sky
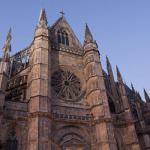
(121, 29)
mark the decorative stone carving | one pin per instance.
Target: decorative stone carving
(66, 85)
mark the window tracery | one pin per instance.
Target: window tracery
(66, 84)
(62, 37)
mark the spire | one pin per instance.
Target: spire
(7, 46)
(42, 18)
(146, 96)
(139, 96)
(136, 95)
(133, 90)
(119, 77)
(109, 68)
(89, 43)
(9, 34)
(88, 35)
(111, 79)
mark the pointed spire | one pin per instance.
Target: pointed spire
(88, 35)
(9, 34)
(42, 18)
(133, 90)
(146, 96)
(7, 46)
(119, 77)
(139, 96)
(89, 43)
(108, 64)
(109, 68)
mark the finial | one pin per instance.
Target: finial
(62, 13)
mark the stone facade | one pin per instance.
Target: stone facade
(54, 95)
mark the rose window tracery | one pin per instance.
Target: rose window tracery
(66, 84)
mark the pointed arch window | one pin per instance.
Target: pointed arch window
(12, 142)
(62, 37)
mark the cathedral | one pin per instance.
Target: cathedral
(54, 95)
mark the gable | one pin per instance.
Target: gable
(61, 24)
(73, 139)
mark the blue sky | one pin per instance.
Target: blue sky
(120, 27)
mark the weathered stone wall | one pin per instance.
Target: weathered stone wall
(46, 119)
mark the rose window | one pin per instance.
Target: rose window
(66, 84)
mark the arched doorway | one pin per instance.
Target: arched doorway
(13, 138)
(71, 137)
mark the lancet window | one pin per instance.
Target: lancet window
(12, 142)
(62, 37)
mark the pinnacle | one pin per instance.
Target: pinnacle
(88, 35)
(108, 62)
(119, 75)
(109, 68)
(146, 96)
(118, 72)
(88, 30)
(7, 46)
(8, 40)
(43, 17)
(139, 95)
(133, 90)
(9, 34)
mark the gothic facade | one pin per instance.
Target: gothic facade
(54, 95)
